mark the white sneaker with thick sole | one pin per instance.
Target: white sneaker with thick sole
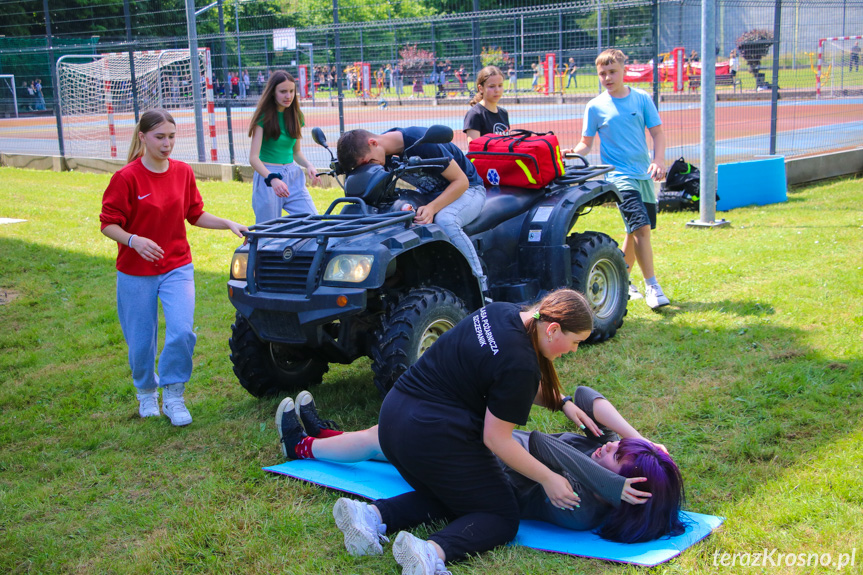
(417, 557)
(654, 297)
(634, 293)
(174, 406)
(360, 526)
(148, 404)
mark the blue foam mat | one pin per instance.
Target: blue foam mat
(377, 480)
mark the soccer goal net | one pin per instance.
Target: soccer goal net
(8, 97)
(839, 66)
(97, 99)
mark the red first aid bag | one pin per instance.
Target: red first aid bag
(521, 158)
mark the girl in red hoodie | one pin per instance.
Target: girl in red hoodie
(143, 210)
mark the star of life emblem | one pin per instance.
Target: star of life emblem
(493, 177)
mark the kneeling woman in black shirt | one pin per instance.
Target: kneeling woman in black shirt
(454, 410)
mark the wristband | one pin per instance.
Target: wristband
(129, 243)
(271, 177)
(564, 400)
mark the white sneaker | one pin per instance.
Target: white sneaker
(634, 293)
(417, 557)
(360, 525)
(174, 406)
(654, 297)
(148, 404)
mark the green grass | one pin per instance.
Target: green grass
(753, 379)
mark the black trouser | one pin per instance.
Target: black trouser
(438, 449)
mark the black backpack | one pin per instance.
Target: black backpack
(681, 189)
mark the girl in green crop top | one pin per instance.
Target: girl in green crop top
(275, 154)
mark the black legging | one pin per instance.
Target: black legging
(438, 449)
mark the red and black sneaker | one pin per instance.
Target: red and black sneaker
(308, 414)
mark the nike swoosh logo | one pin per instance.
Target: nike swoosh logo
(142, 197)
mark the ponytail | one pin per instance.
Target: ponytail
(149, 120)
(572, 312)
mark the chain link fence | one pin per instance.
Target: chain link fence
(412, 64)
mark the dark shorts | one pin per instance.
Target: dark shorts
(636, 214)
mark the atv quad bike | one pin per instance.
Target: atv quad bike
(363, 279)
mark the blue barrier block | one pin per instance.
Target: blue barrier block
(758, 182)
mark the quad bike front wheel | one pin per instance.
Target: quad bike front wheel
(269, 369)
(410, 328)
(599, 272)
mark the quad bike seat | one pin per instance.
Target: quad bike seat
(501, 204)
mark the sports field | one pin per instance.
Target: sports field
(742, 127)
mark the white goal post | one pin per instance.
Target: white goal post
(831, 42)
(7, 81)
(96, 97)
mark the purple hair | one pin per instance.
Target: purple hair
(660, 515)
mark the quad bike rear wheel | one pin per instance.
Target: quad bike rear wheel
(599, 272)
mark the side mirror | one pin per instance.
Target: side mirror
(437, 134)
(319, 137)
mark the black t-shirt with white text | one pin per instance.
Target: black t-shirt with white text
(485, 121)
(486, 361)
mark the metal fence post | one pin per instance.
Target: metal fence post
(338, 74)
(55, 78)
(226, 84)
(131, 58)
(192, 28)
(774, 92)
(707, 204)
(655, 22)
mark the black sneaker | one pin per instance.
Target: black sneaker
(290, 430)
(308, 414)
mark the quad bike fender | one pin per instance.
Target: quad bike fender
(543, 251)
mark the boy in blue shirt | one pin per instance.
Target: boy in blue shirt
(619, 116)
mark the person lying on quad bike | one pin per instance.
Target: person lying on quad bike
(457, 189)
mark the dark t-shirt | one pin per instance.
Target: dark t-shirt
(431, 181)
(486, 361)
(485, 121)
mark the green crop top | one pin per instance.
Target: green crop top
(281, 150)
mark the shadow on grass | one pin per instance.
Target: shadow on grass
(735, 405)
(737, 308)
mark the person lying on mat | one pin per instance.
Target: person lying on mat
(601, 469)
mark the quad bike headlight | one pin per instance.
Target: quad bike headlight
(349, 268)
(238, 265)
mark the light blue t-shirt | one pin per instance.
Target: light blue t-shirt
(620, 123)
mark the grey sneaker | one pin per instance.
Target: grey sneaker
(654, 297)
(417, 557)
(174, 406)
(634, 293)
(360, 525)
(148, 403)
(308, 414)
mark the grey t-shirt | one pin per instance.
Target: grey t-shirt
(569, 455)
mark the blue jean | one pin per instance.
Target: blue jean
(138, 307)
(459, 214)
(267, 205)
